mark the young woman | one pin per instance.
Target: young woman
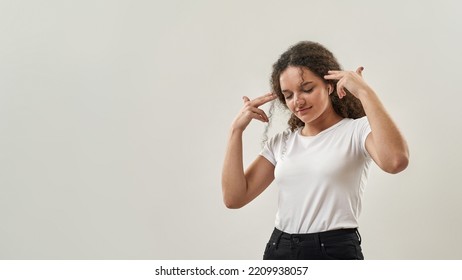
(338, 126)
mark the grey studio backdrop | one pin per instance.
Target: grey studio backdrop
(114, 118)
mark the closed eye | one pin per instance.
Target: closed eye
(308, 90)
(287, 94)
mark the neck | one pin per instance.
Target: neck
(326, 120)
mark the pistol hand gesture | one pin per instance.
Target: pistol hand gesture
(348, 81)
(251, 111)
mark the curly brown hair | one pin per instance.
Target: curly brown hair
(319, 60)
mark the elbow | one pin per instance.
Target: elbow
(232, 203)
(397, 164)
(231, 198)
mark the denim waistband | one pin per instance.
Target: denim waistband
(278, 235)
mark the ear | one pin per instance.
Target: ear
(329, 89)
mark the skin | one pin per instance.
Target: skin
(385, 143)
(308, 98)
(239, 187)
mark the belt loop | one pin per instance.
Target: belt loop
(359, 236)
(319, 241)
(278, 239)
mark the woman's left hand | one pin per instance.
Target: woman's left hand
(350, 81)
(385, 144)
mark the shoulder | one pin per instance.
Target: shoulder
(274, 148)
(361, 120)
(356, 125)
(282, 136)
(356, 122)
(362, 125)
(278, 143)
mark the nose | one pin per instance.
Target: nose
(298, 100)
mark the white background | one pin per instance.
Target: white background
(114, 118)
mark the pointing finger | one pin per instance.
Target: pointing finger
(263, 99)
(360, 71)
(334, 75)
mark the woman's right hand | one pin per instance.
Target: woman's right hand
(251, 111)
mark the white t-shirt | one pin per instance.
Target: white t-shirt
(321, 178)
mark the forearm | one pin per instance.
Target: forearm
(390, 146)
(233, 180)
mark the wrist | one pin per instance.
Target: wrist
(365, 94)
(236, 130)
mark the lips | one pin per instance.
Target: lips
(304, 110)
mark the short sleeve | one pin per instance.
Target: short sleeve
(268, 151)
(275, 148)
(363, 129)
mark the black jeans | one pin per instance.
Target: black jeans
(342, 244)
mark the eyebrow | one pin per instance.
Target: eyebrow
(306, 83)
(301, 86)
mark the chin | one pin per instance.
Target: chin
(308, 119)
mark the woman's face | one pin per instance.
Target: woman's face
(306, 95)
